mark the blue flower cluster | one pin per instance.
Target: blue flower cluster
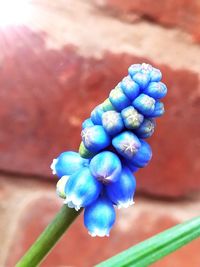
(100, 176)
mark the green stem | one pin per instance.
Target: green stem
(155, 248)
(47, 240)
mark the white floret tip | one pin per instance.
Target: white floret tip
(60, 187)
(53, 166)
(100, 233)
(73, 202)
(126, 204)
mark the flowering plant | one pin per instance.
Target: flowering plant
(102, 175)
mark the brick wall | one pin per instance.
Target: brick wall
(183, 14)
(53, 71)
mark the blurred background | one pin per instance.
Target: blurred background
(58, 59)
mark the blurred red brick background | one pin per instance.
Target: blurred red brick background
(53, 70)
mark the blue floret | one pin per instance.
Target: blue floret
(95, 138)
(127, 144)
(146, 129)
(68, 163)
(143, 156)
(112, 122)
(130, 88)
(156, 90)
(144, 104)
(122, 191)
(118, 99)
(159, 110)
(81, 189)
(87, 123)
(96, 115)
(99, 217)
(106, 167)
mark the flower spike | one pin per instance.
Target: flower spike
(100, 177)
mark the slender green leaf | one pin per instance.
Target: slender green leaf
(155, 248)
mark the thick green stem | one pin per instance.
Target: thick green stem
(155, 248)
(47, 240)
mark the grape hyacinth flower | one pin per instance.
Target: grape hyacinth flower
(112, 122)
(99, 217)
(122, 191)
(81, 189)
(95, 138)
(127, 144)
(132, 118)
(106, 167)
(61, 166)
(118, 99)
(100, 177)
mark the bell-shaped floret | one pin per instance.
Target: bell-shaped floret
(99, 217)
(95, 138)
(142, 79)
(143, 156)
(127, 144)
(106, 167)
(96, 115)
(112, 122)
(155, 75)
(146, 129)
(87, 123)
(122, 191)
(134, 68)
(132, 118)
(118, 99)
(144, 104)
(82, 189)
(130, 88)
(68, 163)
(156, 90)
(159, 110)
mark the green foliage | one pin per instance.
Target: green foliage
(141, 255)
(155, 248)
